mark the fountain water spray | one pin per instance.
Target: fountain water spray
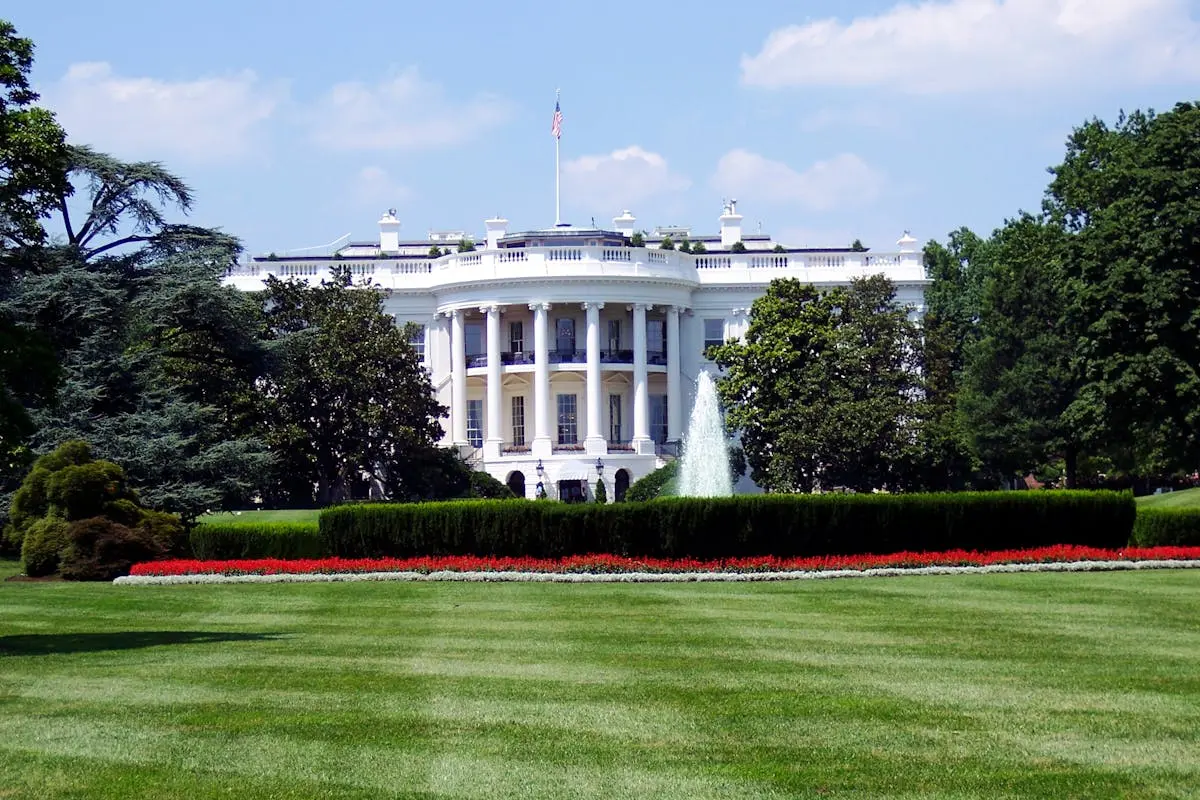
(704, 471)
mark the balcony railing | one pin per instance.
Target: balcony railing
(476, 360)
(616, 356)
(568, 356)
(656, 357)
(517, 357)
(514, 448)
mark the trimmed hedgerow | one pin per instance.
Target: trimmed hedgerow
(1160, 527)
(782, 526)
(220, 540)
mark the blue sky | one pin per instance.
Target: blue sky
(299, 122)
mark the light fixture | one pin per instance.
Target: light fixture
(540, 469)
(599, 466)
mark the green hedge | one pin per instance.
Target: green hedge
(797, 525)
(225, 540)
(1156, 527)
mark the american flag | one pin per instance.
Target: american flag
(556, 123)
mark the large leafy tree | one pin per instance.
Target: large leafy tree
(1129, 195)
(350, 399)
(825, 387)
(1020, 372)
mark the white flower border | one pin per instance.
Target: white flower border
(652, 577)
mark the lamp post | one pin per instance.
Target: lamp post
(599, 467)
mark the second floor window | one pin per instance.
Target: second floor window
(475, 422)
(516, 337)
(474, 339)
(518, 420)
(568, 425)
(416, 340)
(614, 334)
(658, 417)
(656, 336)
(614, 418)
(714, 333)
(564, 334)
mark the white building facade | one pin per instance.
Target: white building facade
(567, 355)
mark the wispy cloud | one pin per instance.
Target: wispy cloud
(965, 45)
(207, 119)
(845, 180)
(403, 112)
(620, 179)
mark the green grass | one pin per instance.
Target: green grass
(268, 515)
(1053, 686)
(1187, 498)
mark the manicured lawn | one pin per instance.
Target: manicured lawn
(268, 515)
(1057, 686)
(1188, 498)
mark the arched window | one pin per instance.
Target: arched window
(516, 483)
(621, 484)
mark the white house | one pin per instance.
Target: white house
(567, 354)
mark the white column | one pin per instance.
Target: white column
(641, 400)
(674, 396)
(458, 384)
(494, 422)
(595, 443)
(541, 446)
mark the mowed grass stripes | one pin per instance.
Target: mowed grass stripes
(1064, 685)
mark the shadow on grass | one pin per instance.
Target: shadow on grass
(45, 644)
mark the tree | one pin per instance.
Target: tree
(698, 248)
(1019, 376)
(779, 249)
(1129, 198)
(824, 388)
(685, 246)
(435, 251)
(666, 244)
(637, 240)
(857, 246)
(601, 495)
(350, 399)
(737, 247)
(33, 157)
(465, 245)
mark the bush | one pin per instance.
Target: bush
(43, 542)
(653, 485)
(779, 525)
(601, 492)
(257, 540)
(99, 549)
(484, 487)
(1166, 527)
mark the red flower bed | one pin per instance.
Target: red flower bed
(609, 563)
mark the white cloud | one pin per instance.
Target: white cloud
(844, 180)
(964, 45)
(620, 179)
(374, 185)
(404, 112)
(207, 119)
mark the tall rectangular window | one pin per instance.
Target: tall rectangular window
(614, 418)
(518, 420)
(475, 422)
(568, 420)
(564, 335)
(658, 417)
(416, 340)
(656, 336)
(614, 334)
(714, 333)
(474, 339)
(516, 336)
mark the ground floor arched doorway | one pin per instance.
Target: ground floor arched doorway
(516, 483)
(621, 484)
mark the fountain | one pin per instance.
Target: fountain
(704, 469)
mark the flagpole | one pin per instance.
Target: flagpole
(557, 172)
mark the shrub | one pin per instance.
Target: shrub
(29, 502)
(776, 525)
(601, 492)
(483, 486)
(653, 485)
(1158, 527)
(99, 549)
(221, 540)
(738, 247)
(44, 540)
(81, 491)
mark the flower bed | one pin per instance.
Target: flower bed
(596, 565)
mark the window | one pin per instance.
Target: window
(656, 336)
(614, 418)
(474, 339)
(658, 417)
(564, 334)
(417, 341)
(518, 419)
(516, 337)
(568, 427)
(614, 335)
(475, 422)
(714, 333)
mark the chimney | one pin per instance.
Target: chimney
(624, 223)
(907, 243)
(496, 228)
(731, 225)
(389, 232)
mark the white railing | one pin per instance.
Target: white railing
(599, 261)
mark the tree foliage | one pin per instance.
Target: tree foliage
(825, 387)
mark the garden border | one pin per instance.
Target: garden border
(653, 577)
